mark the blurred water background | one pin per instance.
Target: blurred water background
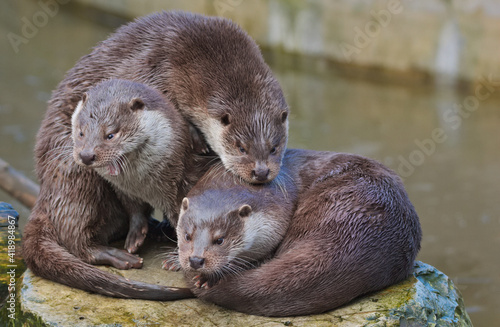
(450, 161)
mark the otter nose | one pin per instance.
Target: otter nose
(88, 157)
(261, 172)
(196, 262)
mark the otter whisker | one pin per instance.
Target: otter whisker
(127, 164)
(121, 164)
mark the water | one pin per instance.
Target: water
(452, 179)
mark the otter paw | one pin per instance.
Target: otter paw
(172, 265)
(119, 259)
(202, 282)
(135, 238)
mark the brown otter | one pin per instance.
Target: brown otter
(129, 134)
(354, 231)
(120, 130)
(240, 225)
(213, 73)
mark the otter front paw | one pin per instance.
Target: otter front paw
(135, 238)
(202, 282)
(172, 262)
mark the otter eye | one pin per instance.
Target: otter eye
(219, 241)
(273, 150)
(81, 134)
(242, 149)
(187, 237)
(110, 136)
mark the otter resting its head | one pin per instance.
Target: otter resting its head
(211, 245)
(249, 130)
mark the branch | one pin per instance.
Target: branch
(17, 185)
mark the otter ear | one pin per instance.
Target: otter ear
(245, 211)
(84, 97)
(185, 204)
(225, 119)
(136, 104)
(284, 116)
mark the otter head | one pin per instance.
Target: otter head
(209, 241)
(108, 126)
(250, 129)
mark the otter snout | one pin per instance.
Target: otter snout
(88, 157)
(196, 262)
(261, 172)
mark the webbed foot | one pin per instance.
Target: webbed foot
(120, 259)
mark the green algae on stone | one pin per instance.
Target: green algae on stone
(11, 269)
(11, 264)
(436, 301)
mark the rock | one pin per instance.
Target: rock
(11, 264)
(428, 298)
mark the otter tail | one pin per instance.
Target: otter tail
(46, 258)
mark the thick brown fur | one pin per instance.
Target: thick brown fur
(354, 231)
(212, 72)
(78, 212)
(227, 226)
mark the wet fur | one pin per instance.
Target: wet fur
(208, 67)
(78, 212)
(354, 231)
(150, 147)
(251, 219)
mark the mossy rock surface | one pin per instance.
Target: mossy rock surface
(11, 264)
(429, 298)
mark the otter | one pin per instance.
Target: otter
(212, 72)
(227, 225)
(123, 150)
(120, 130)
(353, 231)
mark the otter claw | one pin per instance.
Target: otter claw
(170, 266)
(201, 282)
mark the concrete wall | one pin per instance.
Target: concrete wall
(455, 38)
